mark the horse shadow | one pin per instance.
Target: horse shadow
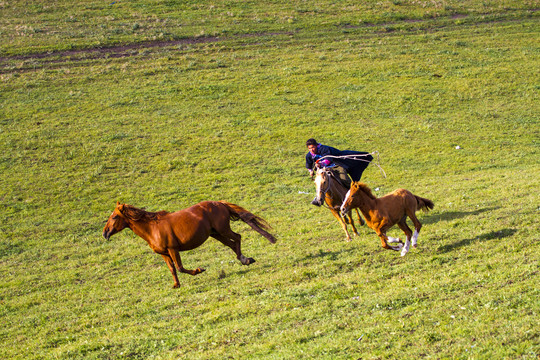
(331, 255)
(453, 215)
(493, 235)
(9, 249)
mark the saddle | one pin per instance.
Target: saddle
(337, 176)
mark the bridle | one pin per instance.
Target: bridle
(329, 174)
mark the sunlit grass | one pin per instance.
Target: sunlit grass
(30, 27)
(452, 112)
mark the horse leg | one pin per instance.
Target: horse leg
(393, 240)
(342, 222)
(234, 244)
(362, 222)
(385, 241)
(178, 262)
(417, 226)
(351, 222)
(170, 264)
(408, 233)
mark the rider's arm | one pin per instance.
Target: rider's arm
(325, 162)
(323, 151)
(309, 163)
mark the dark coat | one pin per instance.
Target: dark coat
(354, 165)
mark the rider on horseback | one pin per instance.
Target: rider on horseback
(343, 162)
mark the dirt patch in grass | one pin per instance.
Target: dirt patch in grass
(33, 61)
(110, 52)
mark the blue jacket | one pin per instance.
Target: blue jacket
(354, 165)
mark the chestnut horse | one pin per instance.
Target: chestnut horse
(332, 192)
(168, 233)
(384, 212)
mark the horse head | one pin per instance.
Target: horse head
(356, 197)
(322, 184)
(117, 222)
(349, 198)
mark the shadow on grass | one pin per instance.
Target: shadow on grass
(452, 215)
(331, 255)
(10, 248)
(243, 270)
(493, 235)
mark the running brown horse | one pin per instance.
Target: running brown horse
(169, 233)
(332, 192)
(384, 212)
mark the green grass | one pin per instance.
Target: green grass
(34, 26)
(166, 127)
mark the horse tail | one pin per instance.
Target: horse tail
(257, 223)
(424, 204)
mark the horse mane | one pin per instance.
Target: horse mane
(363, 187)
(135, 214)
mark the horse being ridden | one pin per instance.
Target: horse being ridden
(331, 191)
(384, 212)
(168, 233)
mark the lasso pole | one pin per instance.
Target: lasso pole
(355, 157)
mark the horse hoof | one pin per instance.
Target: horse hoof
(176, 286)
(250, 261)
(200, 270)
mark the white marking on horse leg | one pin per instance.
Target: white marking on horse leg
(244, 260)
(392, 240)
(406, 247)
(415, 238)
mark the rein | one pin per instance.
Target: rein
(323, 193)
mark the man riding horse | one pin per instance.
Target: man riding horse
(343, 162)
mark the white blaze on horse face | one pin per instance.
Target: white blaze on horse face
(345, 201)
(110, 218)
(318, 183)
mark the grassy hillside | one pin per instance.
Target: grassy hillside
(200, 118)
(36, 26)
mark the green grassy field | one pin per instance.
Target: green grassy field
(220, 109)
